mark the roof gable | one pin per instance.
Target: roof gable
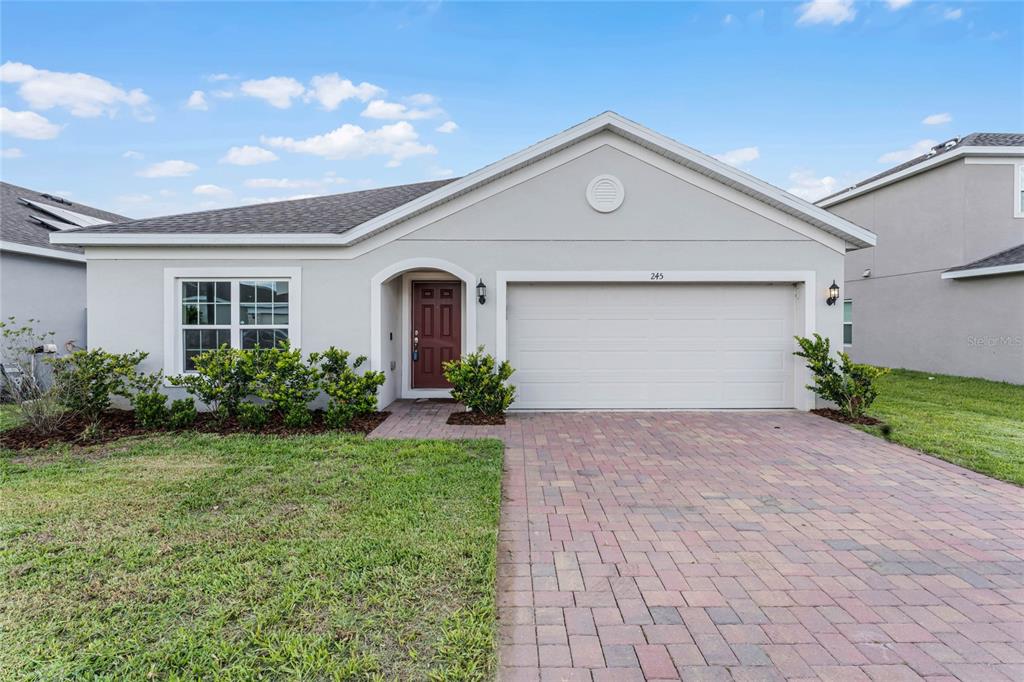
(830, 223)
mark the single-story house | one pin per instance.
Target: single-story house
(40, 280)
(612, 266)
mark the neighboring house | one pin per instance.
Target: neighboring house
(944, 289)
(613, 266)
(40, 280)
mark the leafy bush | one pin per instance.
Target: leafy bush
(41, 406)
(149, 403)
(182, 413)
(847, 384)
(88, 379)
(350, 394)
(223, 379)
(252, 416)
(478, 382)
(285, 381)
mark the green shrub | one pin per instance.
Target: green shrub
(478, 382)
(350, 394)
(149, 403)
(88, 379)
(39, 404)
(284, 381)
(223, 379)
(847, 384)
(182, 413)
(252, 416)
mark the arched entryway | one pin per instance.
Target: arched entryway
(394, 293)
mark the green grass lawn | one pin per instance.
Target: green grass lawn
(973, 423)
(9, 416)
(243, 557)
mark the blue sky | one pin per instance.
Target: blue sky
(99, 99)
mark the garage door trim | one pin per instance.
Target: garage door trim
(804, 399)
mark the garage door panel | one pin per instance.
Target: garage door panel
(656, 345)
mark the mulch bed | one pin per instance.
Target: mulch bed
(476, 419)
(116, 424)
(837, 416)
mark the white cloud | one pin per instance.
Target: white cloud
(217, 77)
(197, 101)
(11, 153)
(897, 4)
(398, 141)
(913, 151)
(807, 186)
(728, 19)
(211, 191)
(739, 157)
(438, 173)
(175, 168)
(27, 124)
(937, 119)
(447, 127)
(83, 95)
(248, 155)
(952, 14)
(132, 154)
(280, 183)
(833, 12)
(223, 94)
(278, 91)
(330, 90)
(395, 111)
(422, 99)
(133, 198)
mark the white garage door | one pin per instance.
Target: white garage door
(658, 345)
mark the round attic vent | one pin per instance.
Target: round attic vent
(605, 193)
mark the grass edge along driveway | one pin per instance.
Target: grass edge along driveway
(973, 423)
(197, 556)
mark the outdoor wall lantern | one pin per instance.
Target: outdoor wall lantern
(833, 293)
(481, 292)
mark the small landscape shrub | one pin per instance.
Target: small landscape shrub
(89, 379)
(252, 416)
(223, 379)
(847, 384)
(479, 382)
(40, 405)
(350, 394)
(182, 413)
(284, 381)
(149, 403)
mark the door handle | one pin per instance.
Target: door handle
(416, 346)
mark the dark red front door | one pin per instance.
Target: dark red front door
(436, 331)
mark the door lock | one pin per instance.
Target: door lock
(416, 345)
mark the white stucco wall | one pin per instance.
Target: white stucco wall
(46, 289)
(672, 220)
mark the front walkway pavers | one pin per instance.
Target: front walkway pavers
(743, 546)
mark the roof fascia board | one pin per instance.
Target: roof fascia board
(40, 251)
(984, 272)
(939, 160)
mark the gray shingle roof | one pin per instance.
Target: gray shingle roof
(972, 140)
(1011, 256)
(335, 213)
(17, 224)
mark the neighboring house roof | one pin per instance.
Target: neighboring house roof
(979, 144)
(28, 218)
(1010, 260)
(349, 218)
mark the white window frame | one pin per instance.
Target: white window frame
(1018, 186)
(173, 277)
(845, 301)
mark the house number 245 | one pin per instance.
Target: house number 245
(657, 275)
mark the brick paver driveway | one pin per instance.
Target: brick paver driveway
(744, 546)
